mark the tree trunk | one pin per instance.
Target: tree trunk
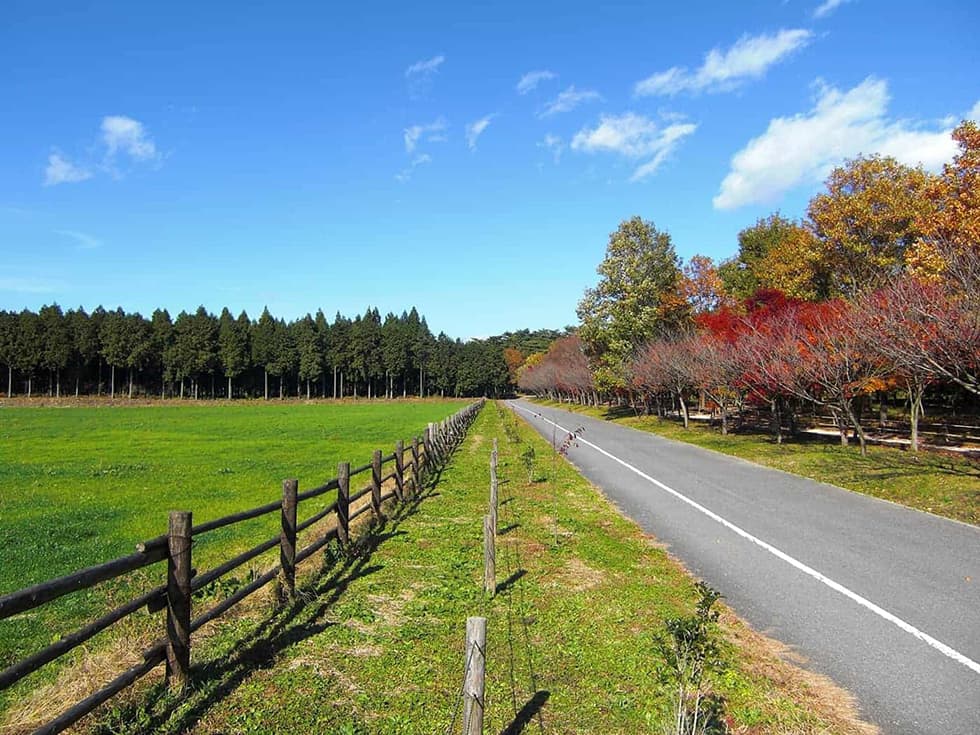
(281, 378)
(130, 374)
(915, 399)
(229, 387)
(776, 421)
(882, 409)
(264, 370)
(112, 383)
(341, 383)
(57, 383)
(99, 388)
(684, 416)
(29, 386)
(335, 382)
(182, 388)
(724, 418)
(307, 389)
(10, 381)
(78, 378)
(856, 423)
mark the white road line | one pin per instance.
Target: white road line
(863, 602)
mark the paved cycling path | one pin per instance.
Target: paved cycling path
(883, 599)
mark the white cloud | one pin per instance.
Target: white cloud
(431, 131)
(126, 135)
(475, 129)
(804, 148)
(554, 144)
(569, 100)
(421, 74)
(62, 171)
(532, 79)
(828, 7)
(420, 160)
(722, 71)
(633, 136)
(84, 242)
(425, 67)
(974, 113)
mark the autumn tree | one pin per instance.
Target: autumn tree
(951, 228)
(636, 300)
(702, 285)
(867, 219)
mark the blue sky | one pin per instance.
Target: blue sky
(469, 159)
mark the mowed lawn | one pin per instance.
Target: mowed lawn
(83, 485)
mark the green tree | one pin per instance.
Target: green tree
(114, 344)
(264, 344)
(309, 351)
(338, 351)
(637, 298)
(139, 343)
(744, 274)
(284, 357)
(29, 349)
(8, 346)
(162, 340)
(233, 346)
(56, 339)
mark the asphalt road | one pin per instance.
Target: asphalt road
(883, 599)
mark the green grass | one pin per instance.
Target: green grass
(935, 482)
(82, 485)
(376, 645)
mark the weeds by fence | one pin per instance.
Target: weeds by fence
(423, 457)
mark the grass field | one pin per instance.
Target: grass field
(376, 643)
(82, 485)
(938, 483)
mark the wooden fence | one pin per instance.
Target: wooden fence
(413, 461)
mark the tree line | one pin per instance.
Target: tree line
(875, 292)
(198, 354)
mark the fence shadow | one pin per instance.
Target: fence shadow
(527, 713)
(213, 680)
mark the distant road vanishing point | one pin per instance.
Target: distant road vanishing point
(883, 599)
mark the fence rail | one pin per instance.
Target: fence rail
(412, 463)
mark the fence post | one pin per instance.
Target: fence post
(343, 502)
(179, 601)
(287, 538)
(476, 669)
(493, 486)
(427, 442)
(416, 470)
(489, 558)
(376, 483)
(400, 469)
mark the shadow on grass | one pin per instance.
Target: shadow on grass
(510, 581)
(215, 679)
(527, 714)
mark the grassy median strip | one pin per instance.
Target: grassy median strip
(935, 482)
(376, 645)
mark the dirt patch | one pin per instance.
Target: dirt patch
(389, 609)
(579, 576)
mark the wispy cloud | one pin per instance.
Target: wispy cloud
(475, 129)
(432, 132)
(828, 7)
(570, 99)
(425, 67)
(420, 160)
(633, 136)
(803, 148)
(83, 241)
(62, 171)
(554, 144)
(28, 285)
(722, 71)
(421, 74)
(974, 113)
(532, 79)
(124, 135)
